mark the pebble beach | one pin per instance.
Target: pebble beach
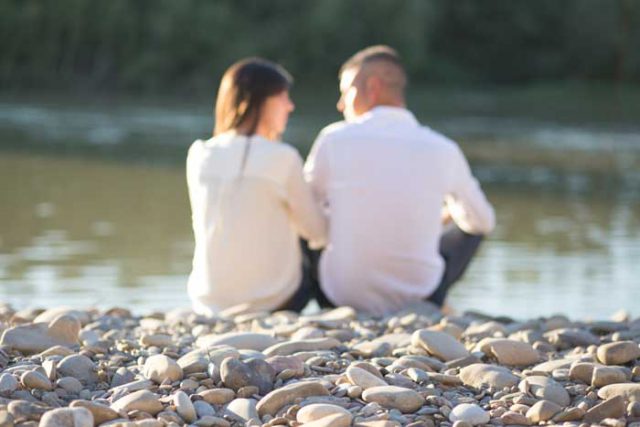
(83, 368)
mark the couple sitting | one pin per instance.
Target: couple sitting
(371, 194)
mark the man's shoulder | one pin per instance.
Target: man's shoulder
(335, 129)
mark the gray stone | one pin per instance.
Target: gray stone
(37, 337)
(67, 417)
(278, 398)
(36, 380)
(160, 367)
(8, 383)
(101, 413)
(439, 344)
(393, 397)
(360, 377)
(254, 372)
(543, 410)
(203, 408)
(290, 347)
(238, 340)
(610, 408)
(184, 407)
(194, 361)
(470, 413)
(480, 375)
(242, 409)
(142, 400)
(79, 367)
(70, 384)
(545, 388)
(509, 352)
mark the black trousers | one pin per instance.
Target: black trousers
(457, 248)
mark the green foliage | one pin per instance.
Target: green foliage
(184, 46)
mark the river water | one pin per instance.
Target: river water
(94, 210)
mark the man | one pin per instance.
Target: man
(384, 179)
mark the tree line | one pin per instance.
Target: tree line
(169, 46)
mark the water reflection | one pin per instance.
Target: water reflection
(80, 232)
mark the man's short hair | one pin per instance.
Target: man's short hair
(372, 54)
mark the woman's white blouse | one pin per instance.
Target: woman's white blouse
(250, 204)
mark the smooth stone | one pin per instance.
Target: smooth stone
(610, 408)
(56, 350)
(142, 400)
(618, 353)
(160, 367)
(628, 391)
(70, 385)
(6, 419)
(51, 314)
(23, 410)
(203, 409)
(184, 407)
(254, 372)
(542, 410)
(290, 347)
(509, 352)
(486, 329)
(571, 337)
(36, 380)
(291, 363)
(157, 340)
(334, 420)
(243, 409)
(210, 421)
(316, 411)
(238, 340)
(67, 417)
(545, 388)
(218, 355)
(37, 337)
(470, 413)
(101, 413)
(79, 367)
(569, 414)
(515, 418)
(479, 375)
(193, 362)
(552, 365)
(8, 383)
(393, 397)
(439, 344)
(605, 375)
(218, 396)
(360, 377)
(582, 371)
(278, 398)
(307, 332)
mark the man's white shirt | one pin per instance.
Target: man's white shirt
(383, 180)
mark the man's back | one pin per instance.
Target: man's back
(385, 178)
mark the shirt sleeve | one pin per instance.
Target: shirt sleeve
(316, 171)
(305, 212)
(466, 202)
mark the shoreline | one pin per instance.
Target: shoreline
(333, 368)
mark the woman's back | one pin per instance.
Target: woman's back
(249, 203)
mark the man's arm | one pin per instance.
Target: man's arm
(316, 171)
(466, 202)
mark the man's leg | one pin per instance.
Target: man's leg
(457, 248)
(311, 261)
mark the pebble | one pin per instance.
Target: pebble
(218, 396)
(618, 353)
(101, 413)
(157, 340)
(545, 388)
(160, 367)
(37, 337)
(238, 340)
(610, 408)
(70, 385)
(184, 407)
(479, 375)
(67, 417)
(290, 347)
(469, 413)
(605, 375)
(509, 352)
(203, 408)
(278, 398)
(334, 420)
(439, 344)
(543, 410)
(79, 367)
(254, 372)
(193, 362)
(626, 390)
(36, 380)
(8, 383)
(393, 397)
(363, 379)
(243, 410)
(142, 400)
(318, 411)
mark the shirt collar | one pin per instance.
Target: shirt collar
(389, 113)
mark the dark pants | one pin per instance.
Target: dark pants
(456, 248)
(309, 285)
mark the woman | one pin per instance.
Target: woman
(249, 202)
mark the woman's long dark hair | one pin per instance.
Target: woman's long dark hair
(243, 90)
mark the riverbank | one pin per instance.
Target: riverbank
(334, 368)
